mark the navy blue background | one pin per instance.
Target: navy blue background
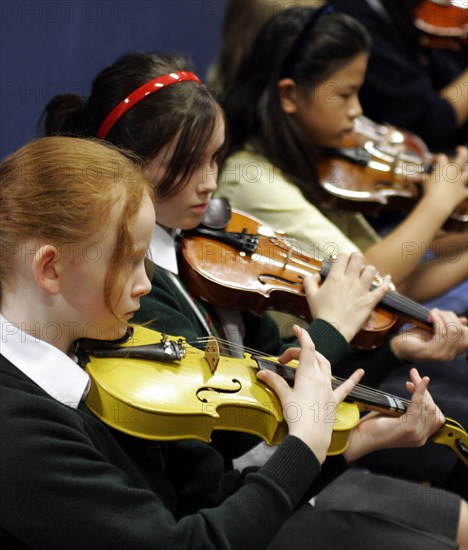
(57, 46)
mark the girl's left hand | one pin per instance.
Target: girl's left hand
(377, 431)
(449, 339)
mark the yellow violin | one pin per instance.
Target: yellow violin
(157, 387)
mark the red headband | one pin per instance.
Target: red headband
(140, 93)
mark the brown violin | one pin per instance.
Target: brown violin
(248, 266)
(377, 167)
(159, 388)
(443, 23)
(390, 138)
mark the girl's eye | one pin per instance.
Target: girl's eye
(139, 260)
(137, 257)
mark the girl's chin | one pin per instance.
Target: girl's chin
(115, 332)
(331, 143)
(185, 224)
(190, 224)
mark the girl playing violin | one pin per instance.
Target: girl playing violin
(296, 92)
(152, 126)
(183, 168)
(72, 267)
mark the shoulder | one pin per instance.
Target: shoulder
(376, 22)
(253, 184)
(249, 168)
(23, 401)
(166, 310)
(163, 289)
(32, 421)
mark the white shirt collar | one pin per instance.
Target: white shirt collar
(51, 369)
(162, 252)
(162, 249)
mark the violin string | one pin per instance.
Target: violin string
(373, 394)
(363, 392)
(406, 305)
(225, 343)
(400, 303)
(394, 299)
(232, 346)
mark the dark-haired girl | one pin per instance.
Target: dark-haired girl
(296, 92)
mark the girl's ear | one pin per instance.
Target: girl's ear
(45, 269)
(288, 95)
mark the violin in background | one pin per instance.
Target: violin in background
(246, 265)
(388, 137)
(443, 23)
(377, 167)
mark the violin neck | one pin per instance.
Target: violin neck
(363, 155)
(371, 399)
(393, 301)
(367, 398)
(451, 433)
(407, 308)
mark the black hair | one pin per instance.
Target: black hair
(252, 103)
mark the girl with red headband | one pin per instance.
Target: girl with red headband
(178, 130)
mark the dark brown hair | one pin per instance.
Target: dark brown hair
(252, 104)
(186, 111)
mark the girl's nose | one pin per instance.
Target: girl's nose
(208, 185)
(355, 109)
(143, 284)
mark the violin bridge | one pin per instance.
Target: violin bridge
(212, 354)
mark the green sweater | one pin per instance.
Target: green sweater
(66, 482)
(166, 310)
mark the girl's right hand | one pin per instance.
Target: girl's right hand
(309, 407)
(447, 185)
(345, 299)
